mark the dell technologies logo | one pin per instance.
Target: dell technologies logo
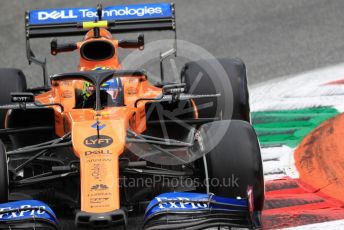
(89, 13)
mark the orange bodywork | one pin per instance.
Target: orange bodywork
(99, 164)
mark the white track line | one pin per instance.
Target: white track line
(301, 91)
(278, 162)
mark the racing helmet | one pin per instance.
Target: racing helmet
(111, 92)
(114, 88)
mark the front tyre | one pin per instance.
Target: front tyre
(3, 174)
(234, 163)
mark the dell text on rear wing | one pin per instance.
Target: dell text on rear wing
(128, 12)
(129, 18)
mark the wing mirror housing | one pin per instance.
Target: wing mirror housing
(135, 44)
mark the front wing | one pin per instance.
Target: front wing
(182, 210)
(27, 214)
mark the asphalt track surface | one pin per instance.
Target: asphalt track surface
(274, 37)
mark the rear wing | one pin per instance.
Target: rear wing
(125, 19)
(122, 19)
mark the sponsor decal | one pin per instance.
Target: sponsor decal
(100, 206)
(99, 160)
(137, 11)
(89, 13)
(19, 213)
(99, 187)
(188, 201)
(97, 152)
(22, 97)
(98, 200)
(100, 194)
(62, 14)
(98, 171)
(166, 203)
(98, 142)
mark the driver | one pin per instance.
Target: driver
(111, 92)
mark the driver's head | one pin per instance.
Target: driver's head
(111, 92)
(102, 32)
(114, 88)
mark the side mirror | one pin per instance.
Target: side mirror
(135, 44)
(20, 97)
(56, 48)
(23, 98)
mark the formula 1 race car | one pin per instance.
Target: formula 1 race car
(105, 143)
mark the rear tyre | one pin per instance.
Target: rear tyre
(3, 174)
(235, 161)
(202, 77)
(11, 80)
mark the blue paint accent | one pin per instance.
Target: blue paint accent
(124, 12)
(100, 126)
(27, 214)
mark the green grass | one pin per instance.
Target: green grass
(289, 127)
